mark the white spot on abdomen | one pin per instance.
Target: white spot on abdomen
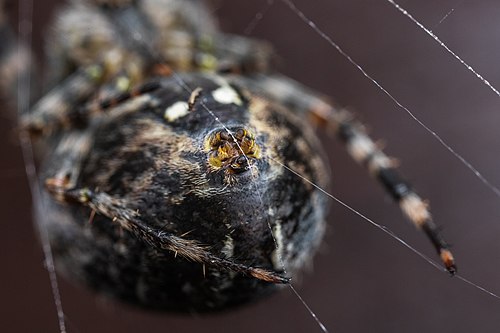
(176, 111)
(226, 95)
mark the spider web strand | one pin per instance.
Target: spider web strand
(320, 324)
(447, 15)
(23, 98)
(444, 46)
(458, 156)
(475, 285)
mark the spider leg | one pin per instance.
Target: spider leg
(59, 107)
(362, 149)
(241, 55)
(15, 61)
(67, 160)
(51, 112)
(117, 211)
(84, 35)
(117, 103)
(195, 44)
(84, 39)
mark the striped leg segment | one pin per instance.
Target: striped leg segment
(62, 107)
(362, 149)
(51, 112)
(119, 103)
(366, 152)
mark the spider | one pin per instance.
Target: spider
(196, 166)
(239, 83)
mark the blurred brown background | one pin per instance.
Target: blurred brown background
(363, 281)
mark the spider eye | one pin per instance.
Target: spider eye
(232, 152)
(241, 160)
(224, 135)
(241, 164)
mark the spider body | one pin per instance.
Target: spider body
(200, 187)
(160, 167)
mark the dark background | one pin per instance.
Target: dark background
(363, 281)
